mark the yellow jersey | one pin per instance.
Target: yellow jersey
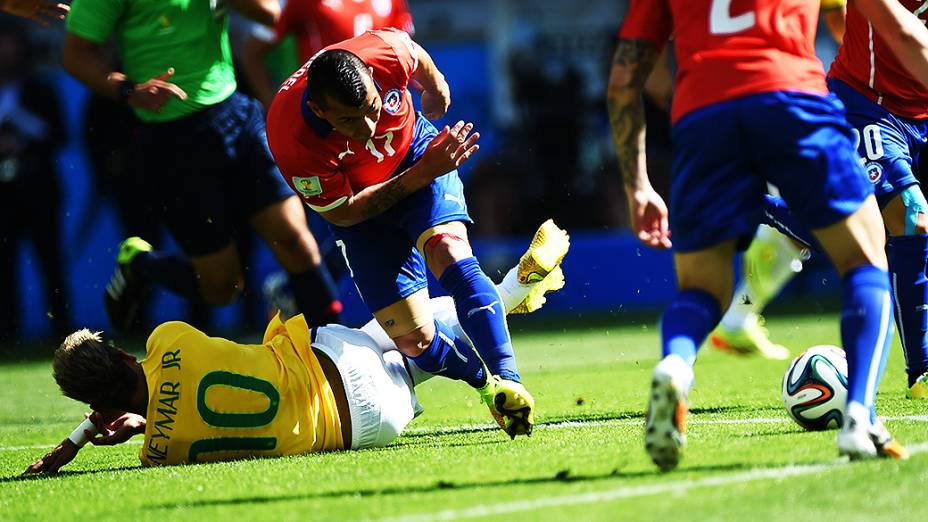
(833, 4)
(213, 399)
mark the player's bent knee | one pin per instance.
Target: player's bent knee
(297, 251)
(221, 292)
(443, 245)
(414, 343)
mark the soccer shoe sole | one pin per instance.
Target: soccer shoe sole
(665, 426)
(535, 298)
(546, 251)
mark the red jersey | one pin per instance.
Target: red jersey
(865, 63)
(726, 49)
(325, 166)
(318, 23)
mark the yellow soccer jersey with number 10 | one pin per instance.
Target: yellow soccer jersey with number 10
(212, 399)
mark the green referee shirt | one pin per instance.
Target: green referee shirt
(154, 35)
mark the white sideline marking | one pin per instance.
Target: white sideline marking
(677, 487)
(558, 425)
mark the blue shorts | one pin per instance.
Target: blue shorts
(381, 252)
(726, 153)
(205, 174)
(888, 145)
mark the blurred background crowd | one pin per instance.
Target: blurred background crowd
(530, 74)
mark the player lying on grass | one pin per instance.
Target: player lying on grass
(199, 399)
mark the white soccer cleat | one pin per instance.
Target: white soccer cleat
(859, 439)
(665, 425)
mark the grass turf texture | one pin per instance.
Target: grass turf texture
(585, 459)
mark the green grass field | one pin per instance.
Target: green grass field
(745, 460)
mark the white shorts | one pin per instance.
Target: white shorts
(380, 392)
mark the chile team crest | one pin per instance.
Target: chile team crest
(874, 171)
(392, 100)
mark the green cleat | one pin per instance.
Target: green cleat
(919, 389)
(511, 405)
(124, 291)
(751, 339)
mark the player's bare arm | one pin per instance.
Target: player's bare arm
(631, 65)
(905, 34)
(84, 60)
(265, 12)
(39, 11)
(448, 151)
(254, 60)
(436, 95)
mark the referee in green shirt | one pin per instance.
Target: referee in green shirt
(202, 152)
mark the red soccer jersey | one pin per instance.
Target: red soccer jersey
(319, 23)
(726, 49)
(865, 63)
(325, 166)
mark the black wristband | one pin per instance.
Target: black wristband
(126, 88)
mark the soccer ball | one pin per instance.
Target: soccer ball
(815, 388)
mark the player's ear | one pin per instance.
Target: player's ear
(128, 357)
(317, 110)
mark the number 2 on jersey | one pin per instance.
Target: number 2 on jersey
(722, 22)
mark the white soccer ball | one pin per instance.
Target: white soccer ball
(815, 388)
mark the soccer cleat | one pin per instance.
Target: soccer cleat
(124, 291)
(540, 267)
(665, 425)
(751, 339)
(511, 405)
(919, 389)
(860, 439)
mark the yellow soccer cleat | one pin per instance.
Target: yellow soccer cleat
(540, 267)
(919, 389)
(752, 339)
(511, 405)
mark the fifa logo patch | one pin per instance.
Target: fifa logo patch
(309, 187)
(392, 100)
(874, 171)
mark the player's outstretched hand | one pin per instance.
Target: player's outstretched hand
(54, 459)
(39, 11)
(649, 217)
(115, 431)
(435, 104)
(153, 94)
(450, 148)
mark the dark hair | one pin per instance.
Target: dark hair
(339, 75)
(93, 372)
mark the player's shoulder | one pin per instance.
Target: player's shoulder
(167, 334)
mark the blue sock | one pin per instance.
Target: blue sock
(907, 258)
(866, 331)
(451, 357)
(482, 315)
(778, 216)
(687, 322)
(316, 296)
(172, 271)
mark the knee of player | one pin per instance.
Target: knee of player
(221, 291)
(443, 249)
(415, 342)
(297, 250)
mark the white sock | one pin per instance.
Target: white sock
(511, 291)
(747, 302)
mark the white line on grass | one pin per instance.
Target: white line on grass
(444, 430)
(676, 487)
